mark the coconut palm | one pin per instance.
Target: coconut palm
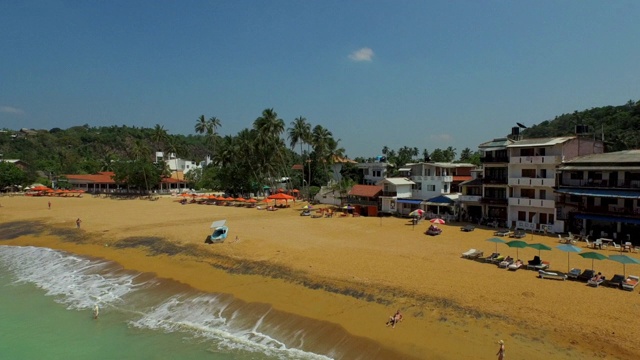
(202, 125)
(299, 132)
(321, 138)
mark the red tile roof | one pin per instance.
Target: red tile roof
(105, 177)
(297, 167)
(365, 190)
(462, 177)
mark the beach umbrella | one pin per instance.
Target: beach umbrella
(624, 260)
(539, 247)
(569, 249)
(307, 207)
(280, 196)
(497, 241)
(517, 244)
(416, 213)
(593, 255)
(437, 221)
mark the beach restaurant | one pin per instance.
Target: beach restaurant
(103, 182)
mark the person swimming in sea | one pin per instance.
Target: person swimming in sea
(96, 311)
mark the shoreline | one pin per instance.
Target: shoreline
(353, 271)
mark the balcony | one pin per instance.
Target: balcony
(494, 159)
(469, 198)
(390, 193)
(494, 180)
(544, 182)
(494, 201)
(622, 184)
(540, 203)
(542, 160)
(446, 178)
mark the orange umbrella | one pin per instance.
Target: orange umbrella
(280, 196)
(240, 199)
(252, 201)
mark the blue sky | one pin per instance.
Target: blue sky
(429, 74)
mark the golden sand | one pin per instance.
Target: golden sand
(355, 272)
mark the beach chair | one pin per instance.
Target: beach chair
(595, 283)
(616, 281)
(467, 228)
(586, 275)
(519, 234)
(616, 246)
(573, 274)
(498, 259)
(630, 283)
(506, 262)
(515, 266)
(589, 244)
(475, 255)
(468, 252)
(557, 275)
(491, 257)
(502, 232)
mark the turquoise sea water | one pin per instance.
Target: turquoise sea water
(47, 299)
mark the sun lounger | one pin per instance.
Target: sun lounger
(475, 255)
(595, 282)
(573, 274)
(515, 266)
(506, 262)
(546, 274)
(497, 259)
(630, 283)
(543, 265)
(518, 234)
(467, 228)
(616, 281)
(468, 252)
(491, 257)
(502, 232)
(586, 275)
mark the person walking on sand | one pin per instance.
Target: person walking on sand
(49, 205)
(501, 350)
(78, 223)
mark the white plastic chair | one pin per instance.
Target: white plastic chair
(588, 243)
(616, 246)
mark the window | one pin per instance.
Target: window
(431, 188)
(522, 215)
(543, 218)
(526, 152)
(528, 173)
(543, 194)
(576, 175)
(528, 193)
(531, 216)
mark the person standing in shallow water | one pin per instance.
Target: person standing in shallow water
(501, 350)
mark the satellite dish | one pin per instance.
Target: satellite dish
(522, 126)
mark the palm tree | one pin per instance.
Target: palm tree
(212, 130)
(320, 138)
(268, 128)
(202, 125)
(299, 131)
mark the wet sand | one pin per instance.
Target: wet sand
(353, 272)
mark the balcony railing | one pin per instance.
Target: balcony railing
(447, 178)
(470, 198)
(525, 181)
(494, 201)
(495, 159)
(390, 193)
(622, 184)
(550, 160)
(494, 180)
(542, 203)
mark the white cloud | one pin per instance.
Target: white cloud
(442, 137)
(11, 110)
(364, 54)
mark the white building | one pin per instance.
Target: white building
(435, 179)
(532, 178)
(177, 164)
(396, 196)
(373, 172)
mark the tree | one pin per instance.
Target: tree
(202, 125)
(299, 133)
(11, 175)
(465, 155)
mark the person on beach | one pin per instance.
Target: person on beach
(49, 203)
(501, 350)
(394, 319)
(78, 223)
(96, 311)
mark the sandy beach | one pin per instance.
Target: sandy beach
(352, 272)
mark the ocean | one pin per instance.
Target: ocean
(48, 298)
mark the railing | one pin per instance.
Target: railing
(551, 160)
(470, 198)
(490, 180)
(495, 159)
(446, 178)
(623, 184)
(520, 181)
(611, 211)
(543, 203)
(494, 201)
(353, 201)
(390, 193)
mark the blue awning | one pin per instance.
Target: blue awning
(440, 200)
(605, 218)
(409, 201)
(612, 193)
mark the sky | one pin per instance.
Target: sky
(425, 74)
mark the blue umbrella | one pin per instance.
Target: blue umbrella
(569, 249)
(624, 260)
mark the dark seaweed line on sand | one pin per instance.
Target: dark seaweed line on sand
(160, 246)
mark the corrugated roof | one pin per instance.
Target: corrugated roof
(365, 190)
(625, 156)
(541, 141)
(497, 143)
